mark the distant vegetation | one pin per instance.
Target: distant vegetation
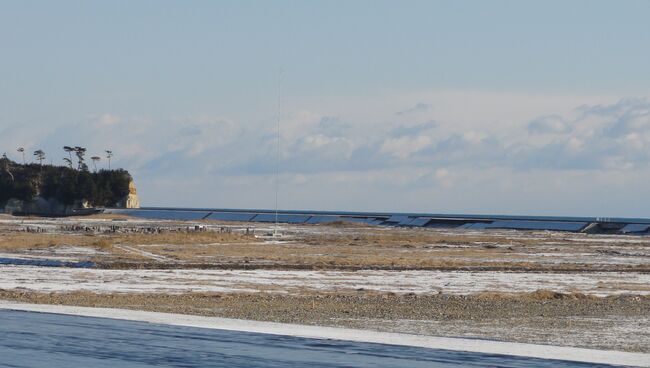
(67, 184)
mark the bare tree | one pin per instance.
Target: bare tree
(95, 160)
(40, 156)
(22, 150)
(109, 154)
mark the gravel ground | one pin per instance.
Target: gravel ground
(613, 323)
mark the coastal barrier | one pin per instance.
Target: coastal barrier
(596, 225)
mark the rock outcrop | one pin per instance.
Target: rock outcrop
(131, 200)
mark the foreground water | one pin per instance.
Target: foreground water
(29, 339)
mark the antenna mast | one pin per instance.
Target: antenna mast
(277, 154)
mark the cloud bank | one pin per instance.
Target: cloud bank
(455, 153)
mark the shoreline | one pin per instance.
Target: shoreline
(319, 332)
(542, 317)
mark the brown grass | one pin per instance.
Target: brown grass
(22, 241)
(103, 244)
(180, 238)
(341, 247)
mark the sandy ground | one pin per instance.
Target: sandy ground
(537, 287)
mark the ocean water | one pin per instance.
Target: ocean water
(45, 263)
(29, 339)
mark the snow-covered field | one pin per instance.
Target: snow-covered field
(47, 279)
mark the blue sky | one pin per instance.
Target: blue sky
(513, 107)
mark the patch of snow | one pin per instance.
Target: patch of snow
(422, 282)
(38, 256)
(69, 250)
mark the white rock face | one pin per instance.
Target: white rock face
(132, 200)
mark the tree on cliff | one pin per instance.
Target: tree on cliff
(95, 160)
(68, 186)
(22, 150)
(81, 152)
(109, 155)
(40, 156)
(69, 150)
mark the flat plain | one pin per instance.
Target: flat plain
(524, 286)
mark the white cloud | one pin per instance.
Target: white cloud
(354, 154)
(551, 124)
(107, 120)
(404, 147)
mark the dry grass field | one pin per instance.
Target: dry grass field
(340, 246)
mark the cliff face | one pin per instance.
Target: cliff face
(131, 200)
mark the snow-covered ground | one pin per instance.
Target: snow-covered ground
(49, 279)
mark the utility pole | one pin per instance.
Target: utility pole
(276, 232)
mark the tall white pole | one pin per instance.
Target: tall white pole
(277, 153)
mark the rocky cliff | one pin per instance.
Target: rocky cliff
(59, 190)
(131, 200)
